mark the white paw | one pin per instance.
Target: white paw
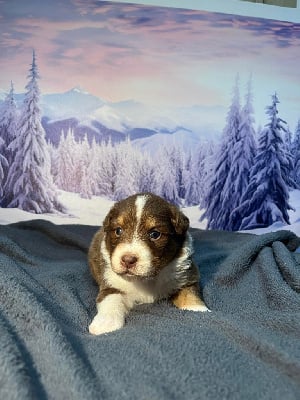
(197, 307)
(104, 324)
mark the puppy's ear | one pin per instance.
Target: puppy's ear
(180, 222)
(107, 220)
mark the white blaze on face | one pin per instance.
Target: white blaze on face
(136, 247)
(139, 205)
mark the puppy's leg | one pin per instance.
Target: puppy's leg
(188, 298)
(111, 312)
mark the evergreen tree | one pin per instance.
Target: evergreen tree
(266, 198)
(93, 167)
(135, 174)
(296, 155)
(194, 176)
(65, 178)
(220, 197)
(54, 159)
(8, 129)
(29, 178)
(85, 164)
(147, 180)
(127, 170)
(242, 161)
(108, 168)
(3, 168)
(208, 164)
(170, 174)
(288, 167)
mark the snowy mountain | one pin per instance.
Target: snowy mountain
(73, 103)
(90, 115)
(101, 119)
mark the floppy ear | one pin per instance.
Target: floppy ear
(107, 220)
(180, 222)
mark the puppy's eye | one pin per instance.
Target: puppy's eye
(154, 235)
(118, 231)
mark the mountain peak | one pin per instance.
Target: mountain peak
(78, 89)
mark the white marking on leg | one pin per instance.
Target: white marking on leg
(110, 316)
(196, 307)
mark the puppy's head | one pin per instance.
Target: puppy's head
(143, 234)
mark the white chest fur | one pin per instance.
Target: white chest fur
(139, 291)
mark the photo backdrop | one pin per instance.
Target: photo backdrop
(100, 100)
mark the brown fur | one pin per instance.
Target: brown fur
(156, 215)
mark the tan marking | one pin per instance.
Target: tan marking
(188, 298)
(121, 219)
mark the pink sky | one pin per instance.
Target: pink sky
(162, 56)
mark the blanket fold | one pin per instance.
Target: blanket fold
(247, 347)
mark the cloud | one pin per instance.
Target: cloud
(118, 50)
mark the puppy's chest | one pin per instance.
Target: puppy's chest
(170, 279)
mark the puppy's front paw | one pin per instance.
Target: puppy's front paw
(197, 307)
(104, 324)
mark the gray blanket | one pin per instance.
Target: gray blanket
(248, 347)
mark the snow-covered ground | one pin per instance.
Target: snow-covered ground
(92, 212)
(80, 211)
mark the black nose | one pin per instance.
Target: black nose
(128, 260)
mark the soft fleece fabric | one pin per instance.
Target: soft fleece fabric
(248, 347)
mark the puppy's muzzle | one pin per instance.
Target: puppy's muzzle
(128, 261)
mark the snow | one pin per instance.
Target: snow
(109, 117)
(80, 211)
(93, 212)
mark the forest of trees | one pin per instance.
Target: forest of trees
(243, 182)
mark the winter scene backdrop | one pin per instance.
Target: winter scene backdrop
(101, 100)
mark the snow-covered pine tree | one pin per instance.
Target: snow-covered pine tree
(220, 197)
(108, 168)
(85, 161)
(288, 166)
(266, 198)
(53, 159)
(296, 155)
(169, 177)
(127, 172)
(178, 161)
(93, 167)
(3, 168)
(208, 169)
(29, 178)
(65, 177)
(135, 173)
(147, 177)
(8, 121)
(194, 176)
(243, 158)
(8, 129)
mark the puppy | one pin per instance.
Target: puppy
(142, 253)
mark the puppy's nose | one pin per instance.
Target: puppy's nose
(128, 260)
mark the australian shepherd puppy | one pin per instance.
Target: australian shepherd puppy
(142, 253)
